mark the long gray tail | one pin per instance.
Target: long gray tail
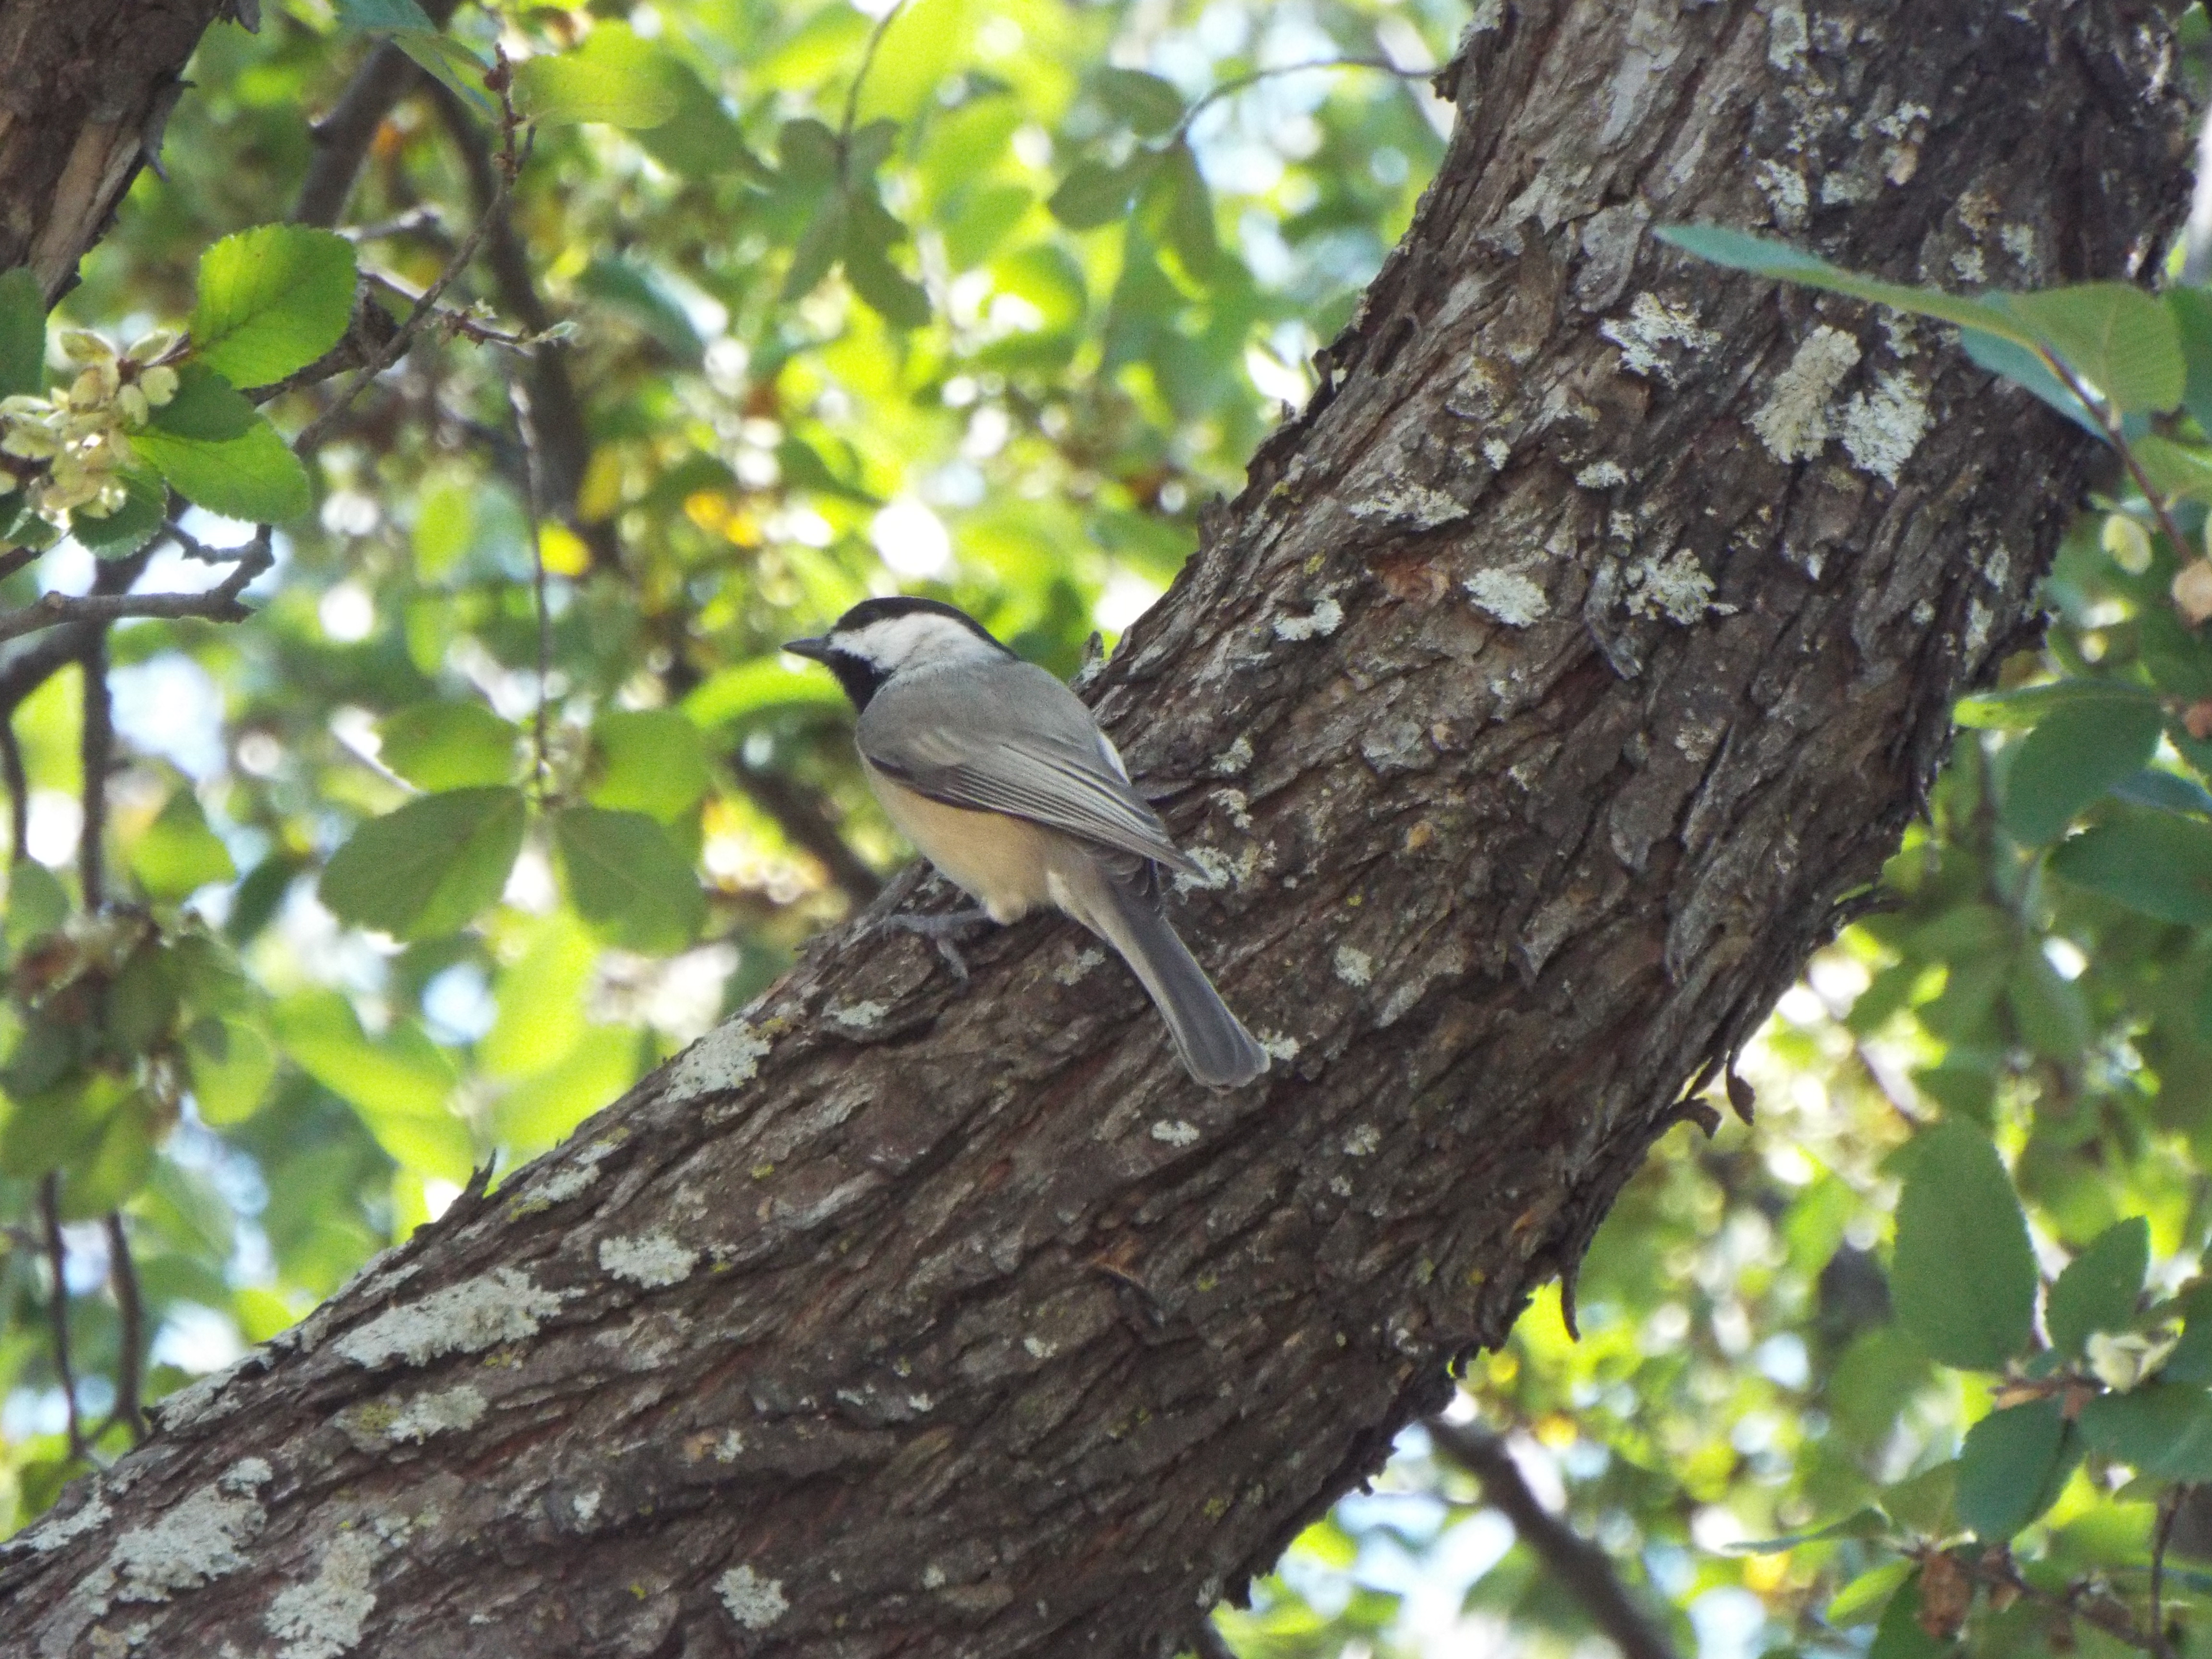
(1215, 1048)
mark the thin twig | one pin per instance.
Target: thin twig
(16, 558)
(217, 603)
(130, 1365)
(1236, 83)
(424, 309)
(1581, 1569)
(32, 667)
(861, 79)
(518, 399)
(96, 747)
(50, 1217)
(2105, 418)
(2169, 1510)
(2081, 1600)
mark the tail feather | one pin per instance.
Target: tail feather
(1216, 1049)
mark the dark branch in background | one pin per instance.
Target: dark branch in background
(1581, 1568)
(344, 134)
(2169, 1510)
(1208, 1643)
(16, 558)
(97, 749)
(18, 790)
(49, 1218)
(800, 816)
(564, 444)
(2087, 1600)
(526, 432)
(96, 610)
(130, 1365)
(25, 672)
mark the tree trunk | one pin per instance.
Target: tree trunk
(86, 87)
(1560, 676)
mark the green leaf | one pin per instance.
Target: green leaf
(178, 854)
(1898, 1634)
(1859, 1602)
(2072, 757)
(1095, 194)
(448, 745)
(807, 150)
(2049, 1014)
(452, 64)
(614, 78)
(2155, 863)
(50, 1127)
(271, 300)
(232, 1064)
(2011, 1467)
(817, 249)
(2026, 367)
(2114, 335)
(1869, 1523)
(428, 867)
(650, 761)
(700, 140)
(2191, 1358)
(1926, 1502)
(2182, 471)
(400, 1084)
(145, 509)
(540, 996)
(1740, 251)
(2098, 1290)
(626, 878)
(382, 15)
(206, 406)
(540, 1109)
(891, 294)
(2163, 1429)
(117, 1164)
(1964, 1278)
(38, 903)
(639, 294)
(748, 688)
(23, 334)
(2192, 320)
(255, 478)
(1189, 225)
(1148, 105)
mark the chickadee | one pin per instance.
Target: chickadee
(996, 771)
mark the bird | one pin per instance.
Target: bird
(1000, 776)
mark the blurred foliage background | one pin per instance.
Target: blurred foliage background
(985, 301)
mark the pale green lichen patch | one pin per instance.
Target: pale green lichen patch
(726, 1056)
(502, 1306)
(653, 1259)
(200, 1539)
(754, 1601)
(1511, 597)
(1793, 422)
(324, 1617)
(427, 1414)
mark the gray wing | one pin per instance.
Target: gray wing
(1009, 738)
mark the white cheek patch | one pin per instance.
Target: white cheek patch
(919, 636)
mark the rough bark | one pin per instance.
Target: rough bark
(85, 89)
(1558, 676)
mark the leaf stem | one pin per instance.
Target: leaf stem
(861, 79)
(1236, 83)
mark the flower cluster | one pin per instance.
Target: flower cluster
(67, 447)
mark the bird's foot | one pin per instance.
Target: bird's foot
(939, 930)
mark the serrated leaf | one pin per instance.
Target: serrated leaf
(448, 745)
(271, 300)
(2163, 1429)
(145, 509)
(428, 867)
(206, 407)
(2157, 864)
(1148, 104)
(1094, 193)
(255, 478)
(2072, 757)
(2098, 1290)
(178, 854)
(23, 334)
(2120, 339)
(1741, 251)
(450, 63)
(626, 878)
(2011, 1467)
(650, 761)
(382, 15)
(615, 78)
(1964, 1278)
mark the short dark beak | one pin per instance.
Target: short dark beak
(817, 649)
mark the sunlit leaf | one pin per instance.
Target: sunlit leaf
(177, 854)
(614, 77)
(649, 760)
(448, 745)
(255, 477)
(428, 867)
(271, 300)
(627, 878)
(2119, 339)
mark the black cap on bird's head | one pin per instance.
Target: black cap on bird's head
(877, 638)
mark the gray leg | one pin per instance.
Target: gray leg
(939, 930)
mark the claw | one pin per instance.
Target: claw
(939, 930)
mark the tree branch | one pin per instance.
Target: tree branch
(49, 1218)
(1583, 1569)
(343, 137)
(130, 1365)
(19, 789)
(96, 747)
